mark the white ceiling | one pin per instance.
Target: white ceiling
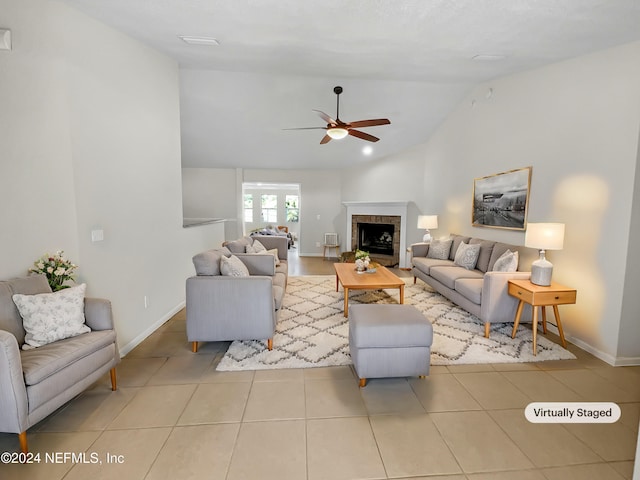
(407, 60)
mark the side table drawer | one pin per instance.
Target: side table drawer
(520, 293)
(554, 298)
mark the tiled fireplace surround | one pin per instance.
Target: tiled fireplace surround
(394, 213)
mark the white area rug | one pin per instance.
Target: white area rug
(312, 331)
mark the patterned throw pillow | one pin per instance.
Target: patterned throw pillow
(257, 247)
(48, 317)
(439, 249)
(507, 262)
(233, 267)
(467, 255)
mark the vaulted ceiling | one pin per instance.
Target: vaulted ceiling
(411, 61)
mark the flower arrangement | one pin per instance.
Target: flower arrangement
(362, 260)
(56, 268)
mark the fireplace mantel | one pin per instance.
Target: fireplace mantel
(380, 208)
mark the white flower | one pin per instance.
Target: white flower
(49, 269)
(60, 271)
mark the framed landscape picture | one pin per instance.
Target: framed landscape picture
(501, 200)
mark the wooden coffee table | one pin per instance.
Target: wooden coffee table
(351, 280)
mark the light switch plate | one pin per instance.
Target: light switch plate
(5, 39)
(97, 235)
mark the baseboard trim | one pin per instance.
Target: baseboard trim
(152, 328)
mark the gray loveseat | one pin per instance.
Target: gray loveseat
(223, 308)
(480, 291)
(36, 382)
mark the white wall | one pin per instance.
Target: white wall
(209, 192)
(576, 123)
(90, 136)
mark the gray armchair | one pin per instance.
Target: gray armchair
(36, 382)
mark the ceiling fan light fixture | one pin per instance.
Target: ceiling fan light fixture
(337, 133)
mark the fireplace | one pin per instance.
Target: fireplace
(376, 238)
(384, 219)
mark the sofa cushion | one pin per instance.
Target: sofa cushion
(208, 263)
(470, 288)
(439, 249)
(48, 317)
(278, 295)
(240, 245)
(40, 363)
(388, 326)
(425, 264)
(456, 241)
(486, 248)
(508, 262)
(467, 255)
(499, 249)
(233, 267)
(448, 275)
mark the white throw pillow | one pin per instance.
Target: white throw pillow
(467, 255)
(233, 267)
(274, 252)
(257, 247)
(507, 262)
(48, 317)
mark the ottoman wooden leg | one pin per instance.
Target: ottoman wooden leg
(363, 382)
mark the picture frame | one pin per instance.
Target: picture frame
(502, 200)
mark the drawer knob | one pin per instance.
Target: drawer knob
(557, 298)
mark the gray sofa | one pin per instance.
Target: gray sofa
(36, 382)
(480, 291)
(223, 308)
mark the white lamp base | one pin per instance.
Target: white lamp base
(427, 237)
(541, 271)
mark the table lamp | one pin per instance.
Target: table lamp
(543, 236)
(427, 222)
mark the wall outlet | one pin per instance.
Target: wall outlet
(146, 302)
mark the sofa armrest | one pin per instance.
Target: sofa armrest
(280, 242)
(419, 249)
(258, 263)
(98, 315)
(13, 393)
(497, 304)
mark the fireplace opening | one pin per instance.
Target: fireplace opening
(376, 238)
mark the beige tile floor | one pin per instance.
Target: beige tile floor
(175, 417)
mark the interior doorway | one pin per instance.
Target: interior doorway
(270, 207)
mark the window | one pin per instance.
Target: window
(248, 207)
(293, 211)
(269, 204)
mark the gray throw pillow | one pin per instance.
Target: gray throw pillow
(233, 267)
(467, 255)
(507, 262)
(439, 249)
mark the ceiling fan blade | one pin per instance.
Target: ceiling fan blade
(325, 139)
(370, 123)
(326, 117)
(362, 135)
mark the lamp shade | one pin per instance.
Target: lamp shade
(427, 221)
(545, 236)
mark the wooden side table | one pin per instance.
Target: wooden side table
(539, 296)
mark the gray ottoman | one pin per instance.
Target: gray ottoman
(389, 341)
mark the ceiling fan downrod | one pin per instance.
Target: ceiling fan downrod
(337, 91)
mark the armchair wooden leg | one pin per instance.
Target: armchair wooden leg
(414, 280)
(22, 437)
(363, 382)
(114, 383)
(194, 347)
(487, 329)
(270, 344)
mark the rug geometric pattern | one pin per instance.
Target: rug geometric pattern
(312, 331)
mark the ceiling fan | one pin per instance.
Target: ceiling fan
(337, 129)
